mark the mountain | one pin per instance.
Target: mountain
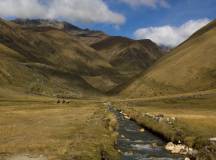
(190, 67)
(85, 35)
(128, 56)
(50, 57)
(47, 61)
(45, 23)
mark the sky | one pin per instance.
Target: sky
(166, 22)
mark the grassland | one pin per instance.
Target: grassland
(190, 67)
(79, 130)
(195, 119)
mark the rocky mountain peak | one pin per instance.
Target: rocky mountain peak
(46, 23)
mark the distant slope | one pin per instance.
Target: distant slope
(189, 67)
(47, 61)
(85, 35)
(128, 56)
(52, 58)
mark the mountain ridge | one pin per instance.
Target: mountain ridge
(53, 60)
(189, 67)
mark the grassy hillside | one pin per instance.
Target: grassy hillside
(47, 61)
(53, 57)
(128, 56)
(189, 67)
(85, 35)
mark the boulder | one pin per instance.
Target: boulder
(180, 149)
(170, 146)
(142, 130)
(126, 117)
(122, 136)
(212, 139)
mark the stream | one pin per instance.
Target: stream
(137, 145)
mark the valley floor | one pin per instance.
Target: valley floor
(41, 129)
(46, 130)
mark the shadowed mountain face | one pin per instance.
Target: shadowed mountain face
(189, 67)
(56, 58)
(128, 56)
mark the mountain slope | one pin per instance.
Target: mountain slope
(47, 61)
(128, 56)
(85, 35)
(189, 67)
(57, 58)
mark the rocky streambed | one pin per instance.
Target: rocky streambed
(137, 143)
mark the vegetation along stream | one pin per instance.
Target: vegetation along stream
(136, 143)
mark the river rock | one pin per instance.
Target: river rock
(126, 117)
(130, 153)
(154, 145)
(176, 149)
(122, 136)
(180, 149)
(170, 146)
(173, 118)
(142, 130)
(212, 139)
(124, 114)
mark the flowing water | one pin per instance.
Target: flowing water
(136, 145)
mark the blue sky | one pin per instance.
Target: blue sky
(153, 19)
(179, 12)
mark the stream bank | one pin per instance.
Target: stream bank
(137, 143)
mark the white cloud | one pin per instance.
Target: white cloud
(73, 10)
(149, 3)
(170, 35)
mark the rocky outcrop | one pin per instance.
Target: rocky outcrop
(181, 149)
(161, 118)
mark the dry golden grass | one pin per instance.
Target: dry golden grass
(49, 61)
(189, 67)
(195, 116)
(76, 130)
